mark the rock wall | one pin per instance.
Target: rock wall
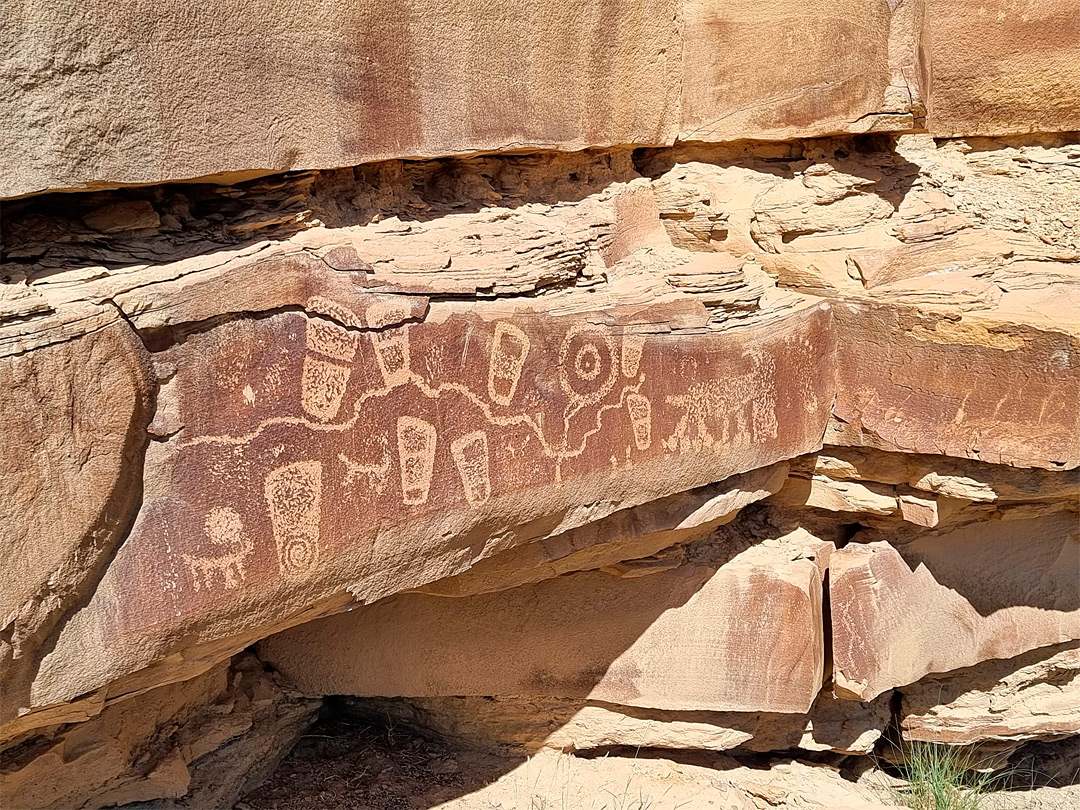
(734, 430)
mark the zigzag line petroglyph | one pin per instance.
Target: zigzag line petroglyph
(396, 374)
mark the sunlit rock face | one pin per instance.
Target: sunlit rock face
(703, 401)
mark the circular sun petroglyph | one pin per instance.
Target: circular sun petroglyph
(587, 364)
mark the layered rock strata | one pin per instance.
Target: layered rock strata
(730, 447)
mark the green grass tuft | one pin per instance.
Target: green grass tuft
(943, 777)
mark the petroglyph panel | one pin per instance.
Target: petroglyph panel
(439, 435)
(459, 413)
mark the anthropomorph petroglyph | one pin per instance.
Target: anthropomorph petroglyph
(416, 441)
(392, 344)
(509, 348)
(225, 530)
(294, 499)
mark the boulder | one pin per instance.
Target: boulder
(75, 414)
(688, 638)
(951, 599)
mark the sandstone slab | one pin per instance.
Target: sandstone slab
(923, 382)
(308, 458)
(166, 744)
(75, 414)
(948, 600)
(1031, 696)
(630, 534)
(416, 78)
(1004, 67)
(689, 638)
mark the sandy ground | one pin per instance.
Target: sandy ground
(344, 765)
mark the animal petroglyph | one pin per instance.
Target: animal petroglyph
(392, 344)
(509, 349)
(225, 530)
(640, 410)
(294, 500)
(743, 406)
(322, 385)
(376, 474)
(416, 454)
(470, 454)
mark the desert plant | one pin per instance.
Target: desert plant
(943, 777)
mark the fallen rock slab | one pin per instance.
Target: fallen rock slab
(1031, 696)
(688, 638)
(949, 600)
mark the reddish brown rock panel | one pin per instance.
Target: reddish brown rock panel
(311, 458)
(987, 389)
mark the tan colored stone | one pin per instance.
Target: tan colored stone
(820, 492)
(415, 78)
(663, 784)
(529, 724)
(684, 639)
(166, 744)
(1031, 696)
(827, 70)
(1008, 66)
(71, 455)
(951, 599)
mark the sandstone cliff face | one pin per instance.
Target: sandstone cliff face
(717, 434)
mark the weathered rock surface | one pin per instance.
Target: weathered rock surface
(420, 79)
(570, 435)
(71, 454)
(1035, 695)
(349, 461)
(529, 724)
(687, 638)
(987, 590)
(1002, 67)
(206, 740)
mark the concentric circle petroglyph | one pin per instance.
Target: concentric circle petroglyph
(587, 364)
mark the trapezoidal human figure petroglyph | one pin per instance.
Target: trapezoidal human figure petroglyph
(416, 441)
(471, 456)
(294, 499)
(509, 348)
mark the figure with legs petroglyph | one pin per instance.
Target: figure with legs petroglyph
(225, 530)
